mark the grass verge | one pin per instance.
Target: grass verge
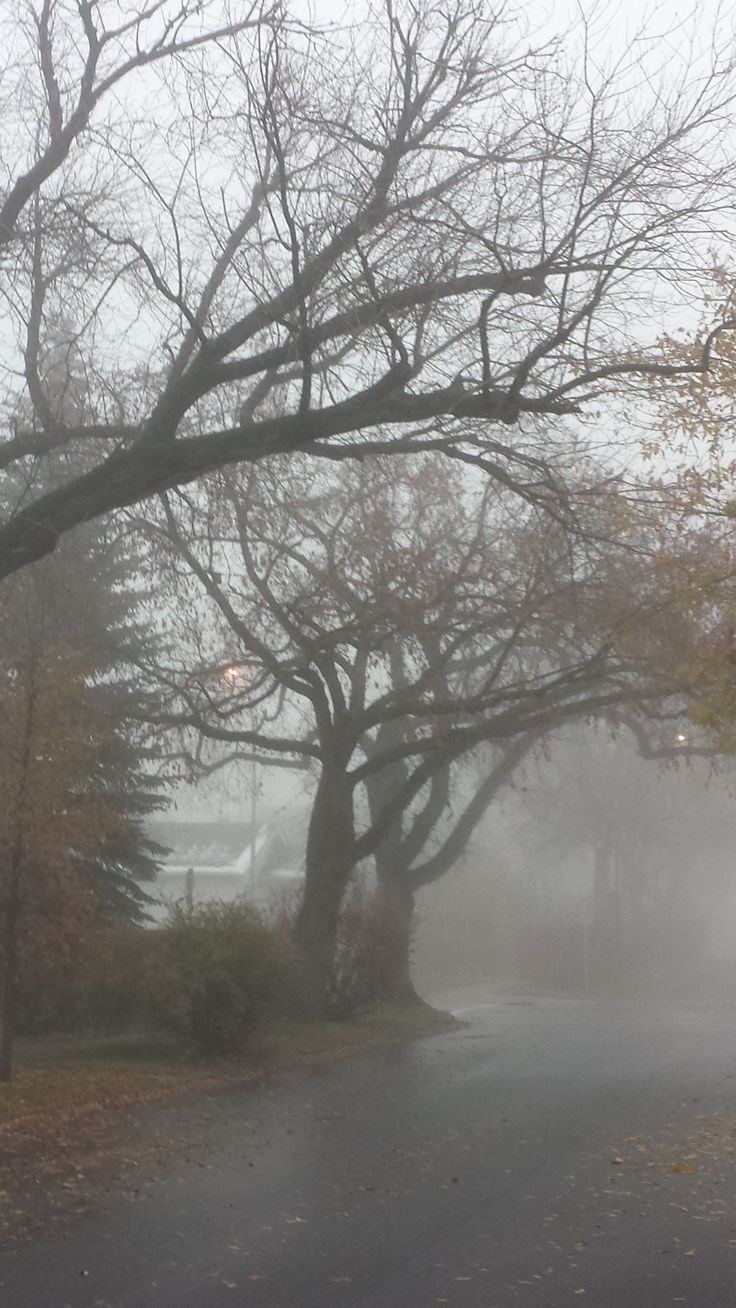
(69, 1098)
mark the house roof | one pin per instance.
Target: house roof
(217, 846)
(214, 846)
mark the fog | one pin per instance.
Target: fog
(597, 872)
(367, 654)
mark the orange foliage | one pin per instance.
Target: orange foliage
(51, 812)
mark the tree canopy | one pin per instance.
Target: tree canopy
(419, 231)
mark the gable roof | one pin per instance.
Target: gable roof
(214, 845)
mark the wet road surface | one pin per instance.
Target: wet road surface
(551, 1152)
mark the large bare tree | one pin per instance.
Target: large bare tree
(384, 620)
(418, 230)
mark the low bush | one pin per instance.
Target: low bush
(219, 971)
(208, 976)
(103, 987)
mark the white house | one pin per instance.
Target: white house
(228, 861)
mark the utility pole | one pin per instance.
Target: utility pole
(253, 821)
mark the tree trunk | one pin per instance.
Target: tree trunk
(394, 902)
(8, 979)
(330, 859)
(398, 873)
(12, 895)
(395, 906)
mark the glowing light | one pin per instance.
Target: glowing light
(681, 740)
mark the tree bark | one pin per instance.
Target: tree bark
(12, 896)
(394, 902)
(399, 876)
(8, 979)
(329, 861)
(395, 907)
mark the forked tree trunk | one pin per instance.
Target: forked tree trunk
(394, 903)
(330, 859)
(395, 907)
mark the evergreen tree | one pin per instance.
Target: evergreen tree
(76, 771)
(93, 601)
(97, 604)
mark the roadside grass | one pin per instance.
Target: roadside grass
(71, 1133)
(292, 1042)
(49, 1098)
(58, 1084)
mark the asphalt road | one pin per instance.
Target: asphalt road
(550, 1153)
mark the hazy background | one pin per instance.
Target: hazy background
(597, 871)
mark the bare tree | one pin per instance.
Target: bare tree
(429, 840)
(338, 629)
(428, 843)
(402, 235)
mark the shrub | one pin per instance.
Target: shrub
(103, 987)
(208, 976)
(219, 971)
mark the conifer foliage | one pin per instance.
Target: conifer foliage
(76, 779)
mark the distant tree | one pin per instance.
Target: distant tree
(418, 230)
